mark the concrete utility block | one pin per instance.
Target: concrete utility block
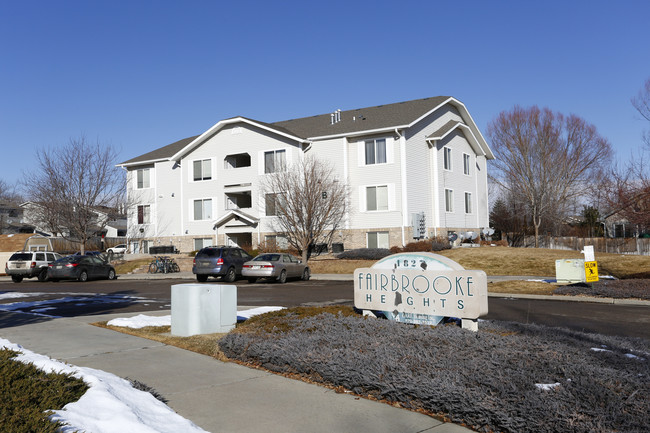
(203, 308)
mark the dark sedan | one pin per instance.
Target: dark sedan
(80, 268)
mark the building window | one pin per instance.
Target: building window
(271, 204)
(276, 242)
(449, 200)
(202, 169)
(378, 240)
(144, 214)
(274, 161)
(377, 198)
(376, 151)
(447, 157)
(202, 243)
(468, 202)
(202, 209)
(466, 164)
(143, 178)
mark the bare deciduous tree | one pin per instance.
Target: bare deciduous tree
(642, 103)
(628, 185)
(308, 201)
(70, 184)
(547, 158)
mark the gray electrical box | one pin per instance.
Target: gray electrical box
(419, 225)
(203, 308)
(570, 271)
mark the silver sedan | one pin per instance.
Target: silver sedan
(278, 266)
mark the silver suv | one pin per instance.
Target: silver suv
(220, 261)
(29, 264)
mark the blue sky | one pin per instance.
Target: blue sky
(138, 75)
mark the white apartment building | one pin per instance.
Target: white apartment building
(414, 169)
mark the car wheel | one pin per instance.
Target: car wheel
(306, 274)
(201, 278)
(111, 274)
(42, 276)
(230, 276)
(283, 277)
(83, 276)
(16, 278)
(252, 280)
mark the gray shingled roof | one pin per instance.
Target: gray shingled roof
(444, 129)
(163, 152)
(352, 121)
(362, 119)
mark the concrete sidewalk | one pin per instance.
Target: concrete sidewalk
(217, 396)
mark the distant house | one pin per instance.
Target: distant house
(415, 169)
(107, 221)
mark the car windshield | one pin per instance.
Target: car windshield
(69, 259)
(267, 258)
(21, 256)
(208, 252)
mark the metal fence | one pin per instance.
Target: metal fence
(640, 246)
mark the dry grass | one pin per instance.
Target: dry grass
(125, 267)
(522, 287)
(205, 344)
(541, 261)
(509, 261)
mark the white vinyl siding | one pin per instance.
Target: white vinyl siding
(378, 240)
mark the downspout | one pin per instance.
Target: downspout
(402, 156)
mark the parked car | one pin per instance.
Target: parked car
(88, 253)
(220, 261)
(29, 264)
(117, 249)
(81, 268)
(278, 266)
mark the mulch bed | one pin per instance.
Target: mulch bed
(507, 377)
(632, 288)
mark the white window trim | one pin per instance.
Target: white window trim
(377, 232)
(135, 178)
(261, 162)
(452, 200)
(390, 152)
(446, 149)
(191, 208)
(471, 203)
(138, 224)
(363, 199)
(469, 164)
(191, 170)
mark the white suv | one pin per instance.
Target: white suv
(29, 264)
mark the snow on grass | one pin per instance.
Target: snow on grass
(111, 405)
(142, 320)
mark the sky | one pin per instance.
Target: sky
(138, 75)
